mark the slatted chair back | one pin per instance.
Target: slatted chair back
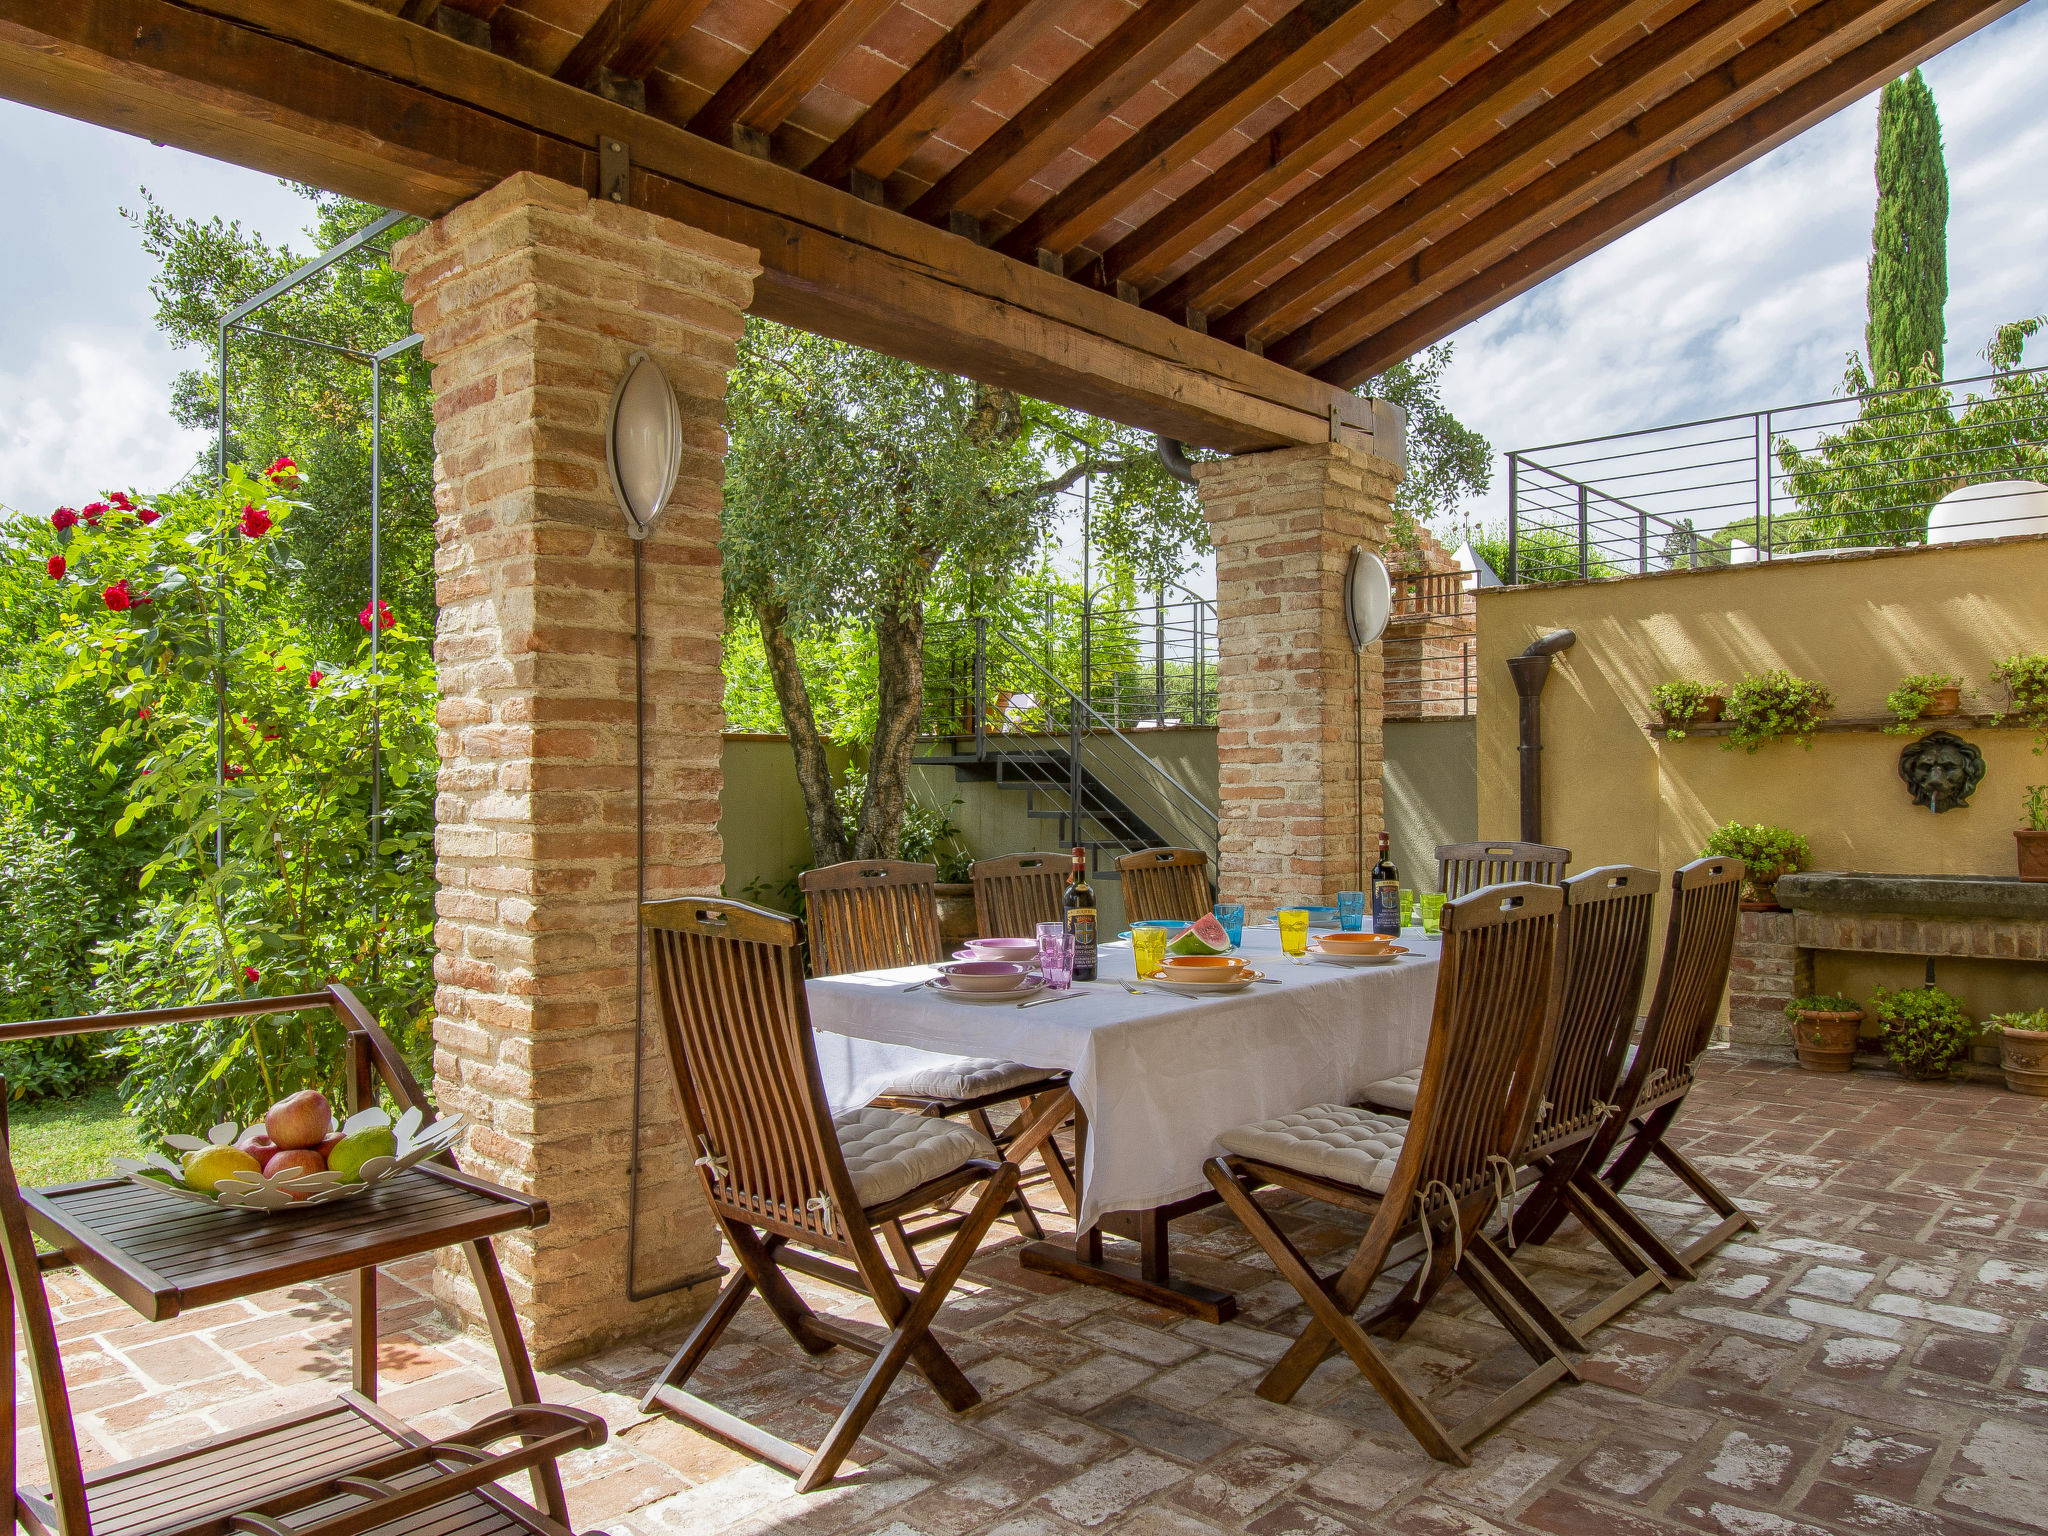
(1462, 868)
(1163, 883)
(1699, 944)
(872, 914)
(730, 982)
(1604, 949)
(1014, 894)
(1489, 1042)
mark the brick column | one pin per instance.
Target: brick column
(1292, 704)
(1768, 970)
(531, 298)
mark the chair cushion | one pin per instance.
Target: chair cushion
(964, 1077)
(890, 1153)
(1396, 1092)
(1330, 1141)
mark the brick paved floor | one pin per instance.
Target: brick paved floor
(1874, 1361)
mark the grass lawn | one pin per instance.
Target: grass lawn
(62, 1140)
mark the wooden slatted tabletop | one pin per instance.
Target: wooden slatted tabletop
(163, 1255)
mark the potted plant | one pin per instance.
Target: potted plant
(1685, 704)
(1923, 1029)
(1774, 704)
(1824, 1031)
(1920, 696)
(1768, 851)
(2026, 683)
(2033, 837)
(2023, 1050)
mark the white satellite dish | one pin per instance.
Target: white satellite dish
(1368, 597)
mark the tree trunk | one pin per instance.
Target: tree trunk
(806, 745)
(899, 700)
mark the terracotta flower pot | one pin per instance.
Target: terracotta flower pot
(1710, 711)
(1942, 703)
(1826, 1042)
(956, 915)
(2033, 855)
(2025, 1057)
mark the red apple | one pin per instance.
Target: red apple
(303, 1120)
(294, 1160)
(332, 1140)
(256, 1142)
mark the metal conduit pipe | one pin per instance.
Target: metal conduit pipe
(1173, 456)
(1530, 671)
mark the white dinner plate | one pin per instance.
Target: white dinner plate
(1207, 988)
(1327, 958)
(1014, 995)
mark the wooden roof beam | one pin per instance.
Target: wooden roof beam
(1460, 241)
(628, 38)
(792, 59)
(1100, 81)
(1433, 47)
(987, 41)
(1895, 50)
(1302, 40)
(1645, 68)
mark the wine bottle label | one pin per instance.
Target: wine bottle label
(1081, 924)
(1386, 906)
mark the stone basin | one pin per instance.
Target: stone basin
(1993, 896)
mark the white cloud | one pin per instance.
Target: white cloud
(85, 413)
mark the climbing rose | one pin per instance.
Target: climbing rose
(283, 472)
(144, 713)
(56, 567)
(384, 618)
(251, 975)
(63, 518)
(116, 597)
(93, 511)
(146, 515)
(315, 679)
(121, 500)
(255, 522)
(232, 772)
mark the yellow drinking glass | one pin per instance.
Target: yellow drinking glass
(1148, 948)
(1432, 912)
(1293, 930)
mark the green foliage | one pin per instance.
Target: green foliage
(1766, 851)
(1924, 1030)
(69, 1140)
(1908, 702)
(1541, 554)
(46, 937)
(2035, 1022)
(1821, 1002)
(1681, 703)
(1908, 283)
(1766, 706)
(2035, 807)
(2025, 678)
(929, 836)
(1447, 460)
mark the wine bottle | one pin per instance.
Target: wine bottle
(1386, 893)
(1079, 904)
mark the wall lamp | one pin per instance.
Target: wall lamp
(643, 443)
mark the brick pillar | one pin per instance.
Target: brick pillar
(531, 298)
(1293, 704)
(1768, 970)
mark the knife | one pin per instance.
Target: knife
(1060, 997)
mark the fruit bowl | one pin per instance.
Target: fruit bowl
(294, 1189)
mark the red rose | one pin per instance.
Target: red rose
(93, 511)
(283, 472)
(315, 679)
(146, 515)
(122, 500)
(143, 713)
(384, 618)
(56, 567)
(251, 975)
(63, 518)
(116, 597)
(255, 522)
(232, 772)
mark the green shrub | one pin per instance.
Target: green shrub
(1821, 1002)
(2037, 1021)
(2034, 806)
(1765, 706)
(1908, 702)
(1923, 1029)
(2026, 681)
(1767, 851)
(45, 944)
(1681, 703)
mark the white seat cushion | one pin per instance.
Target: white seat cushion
(1396, 1092)
(964, 1077)
(1330, 1141)
(890, 1153)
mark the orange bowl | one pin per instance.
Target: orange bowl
(1202, 965)
(1362, 943)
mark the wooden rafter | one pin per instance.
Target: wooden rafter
(1301, 40)
(987, 40)
(777, 75)
(1392, 161)
(628, 38)
(1100, 81)
(1720, 94)
(1897, 48)
(1434, 46)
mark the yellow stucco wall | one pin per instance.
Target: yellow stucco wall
(1856, 623)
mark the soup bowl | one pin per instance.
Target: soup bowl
(984, 975)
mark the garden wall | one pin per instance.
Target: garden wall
(1858, 623)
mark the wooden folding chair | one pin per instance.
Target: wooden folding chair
(1166, 883)
(1442, 1172)
(780, 1168)
(1462, 868)
(1015, 893)
(871, 915)
(1699, 944)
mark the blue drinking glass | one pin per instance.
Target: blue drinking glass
(1231, 916)
(1351, 910)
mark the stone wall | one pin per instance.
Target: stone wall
(531, 298)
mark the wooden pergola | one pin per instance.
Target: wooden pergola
(1193, 215)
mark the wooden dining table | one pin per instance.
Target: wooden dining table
(1155, 1077)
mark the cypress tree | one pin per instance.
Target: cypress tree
(1909, 243)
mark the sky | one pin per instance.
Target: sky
(1746, 296)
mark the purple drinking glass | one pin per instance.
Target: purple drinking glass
(1056, 955)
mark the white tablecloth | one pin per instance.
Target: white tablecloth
(1160, 1076)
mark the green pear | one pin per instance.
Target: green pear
(352, 1151)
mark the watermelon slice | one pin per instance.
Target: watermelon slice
(1205, 936)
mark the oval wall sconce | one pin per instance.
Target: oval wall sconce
(643, 443)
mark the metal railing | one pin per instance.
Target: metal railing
(1861, 472)
(1428, 655)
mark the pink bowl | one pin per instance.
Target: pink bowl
(984, 975)
(1003, 949)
